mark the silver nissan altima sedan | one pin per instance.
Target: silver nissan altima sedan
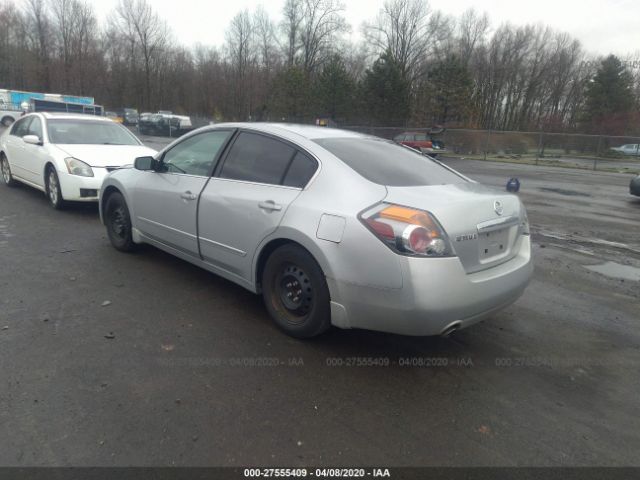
(331, 227)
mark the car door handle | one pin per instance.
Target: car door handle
(270, 206)
(188, 196)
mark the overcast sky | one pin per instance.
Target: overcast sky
(603, 26)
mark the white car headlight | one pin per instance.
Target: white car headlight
(78, 167)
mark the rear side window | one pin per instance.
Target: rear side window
(257, 158)
(300, 171)
(386, 163)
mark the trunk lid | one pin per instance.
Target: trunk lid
(483, 224)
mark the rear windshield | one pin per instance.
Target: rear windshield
(386, 163)
(87, 132)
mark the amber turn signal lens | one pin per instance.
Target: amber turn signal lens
(410, 216)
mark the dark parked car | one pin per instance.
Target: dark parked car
(160, 125)
(634, 186)
(129, 116)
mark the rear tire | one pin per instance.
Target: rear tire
(7, 121)
(53, 190)
(295, 292)
(118, 223)
(5, 168)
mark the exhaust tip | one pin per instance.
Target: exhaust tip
(452, 327)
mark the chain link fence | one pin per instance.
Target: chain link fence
(592, 152)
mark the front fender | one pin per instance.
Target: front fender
(119, 182)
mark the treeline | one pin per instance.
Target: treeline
(414, 66)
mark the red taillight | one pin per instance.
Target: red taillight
(408, 231)
(382, 229)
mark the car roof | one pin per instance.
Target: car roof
(73, 116)
(309, 132)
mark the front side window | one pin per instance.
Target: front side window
(21, 127)
(35, 128)
(88, 132)
(257, 158)
(195, 155)
(387, 163)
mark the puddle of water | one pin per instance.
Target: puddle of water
(616, 270)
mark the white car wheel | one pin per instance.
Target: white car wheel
(6, 172)
(54, 193)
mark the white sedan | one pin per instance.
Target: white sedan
(66, 156)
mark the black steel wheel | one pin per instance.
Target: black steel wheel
(118, 223)
(295, 292)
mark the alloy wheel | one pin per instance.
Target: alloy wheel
(6, 171)
(53, 187)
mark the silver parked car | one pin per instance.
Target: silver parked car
(632, 149)
(331, 227)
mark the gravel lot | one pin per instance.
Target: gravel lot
(112, 359)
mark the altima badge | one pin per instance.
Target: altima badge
(497, 206)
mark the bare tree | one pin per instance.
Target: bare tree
(146, 32)
(75, 29)
(411, 32)
(322, 23)
(292, 13)
(472, 30)
(241, 53)
(265, 38)
(39, 33)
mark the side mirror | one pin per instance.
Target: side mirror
(32, 140)
(145, 164)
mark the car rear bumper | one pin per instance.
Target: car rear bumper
(437, 294)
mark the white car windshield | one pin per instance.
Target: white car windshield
(83, 132)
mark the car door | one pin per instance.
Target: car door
(16, 148)
(35, 156)
(166, 201)
(247, 198)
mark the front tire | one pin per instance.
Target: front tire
(295, 292)
(5, 168)
(118, 223)
(53, 190)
